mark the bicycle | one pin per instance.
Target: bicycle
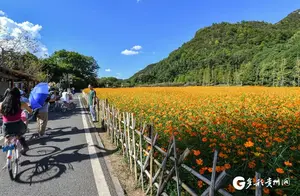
(68, 106)
(13, 147)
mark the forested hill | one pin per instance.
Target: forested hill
(245, 53)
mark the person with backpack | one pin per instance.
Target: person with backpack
(92, 100)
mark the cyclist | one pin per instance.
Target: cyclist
(11, 110)
(66, 98)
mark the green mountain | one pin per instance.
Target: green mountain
(244, 53)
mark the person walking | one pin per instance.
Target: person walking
(42, 118)
(91, 102)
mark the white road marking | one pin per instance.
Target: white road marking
(100, 181)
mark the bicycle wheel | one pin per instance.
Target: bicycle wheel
(13, 165)
(63, 109)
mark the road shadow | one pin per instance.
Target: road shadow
(56, 163)
(66, 115)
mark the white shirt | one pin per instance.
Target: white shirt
(65, 97)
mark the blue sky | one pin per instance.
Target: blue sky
(105, 28)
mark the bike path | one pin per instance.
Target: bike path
(69, 162)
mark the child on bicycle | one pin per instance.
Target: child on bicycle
(11, 109)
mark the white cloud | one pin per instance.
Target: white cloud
(2, 13)
(118, 74)
(21, 37)
(137, 47)
(129, 52)
(132, 51)
(108, 70)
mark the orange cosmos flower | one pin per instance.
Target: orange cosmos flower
(266, 190)
(200, 184)
(227, 166)
(287, 163)
(204, 139)
(230, 188)
(199, 161)
(251, 164)
(196, 152)
(280, 170)
(249, 144)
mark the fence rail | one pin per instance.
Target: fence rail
(150, 173)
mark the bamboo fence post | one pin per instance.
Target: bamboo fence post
(176, 166)
(133, 144)
(121, 135)
(213, 175)
(104, 114)
(164, 163)
(98, 110)
(125, 134)
(108, 121)
(117, 128)
(113, 125)
(258, 191)
(141, 157)
(219, 182)
(129, 140)
(166, 180)
(151, 161)
(109, 114)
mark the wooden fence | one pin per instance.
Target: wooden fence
(139, 147)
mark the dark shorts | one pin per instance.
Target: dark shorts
(16, 128)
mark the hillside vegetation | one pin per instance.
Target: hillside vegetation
(245, 53)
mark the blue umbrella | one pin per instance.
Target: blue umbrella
(39, 95)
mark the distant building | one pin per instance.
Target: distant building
(11, 78)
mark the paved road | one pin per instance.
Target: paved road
(70, 161)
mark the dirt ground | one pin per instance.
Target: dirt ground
(120, 168)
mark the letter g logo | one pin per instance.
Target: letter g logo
(239, 183)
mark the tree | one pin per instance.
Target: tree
(65, 64)
(231, 54)
(17, 52)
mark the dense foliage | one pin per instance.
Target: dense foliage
(63, 66)
(245, 53)
(255, 129)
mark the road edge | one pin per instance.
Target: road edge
(115, 180)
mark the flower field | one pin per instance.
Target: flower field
(253, 128)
